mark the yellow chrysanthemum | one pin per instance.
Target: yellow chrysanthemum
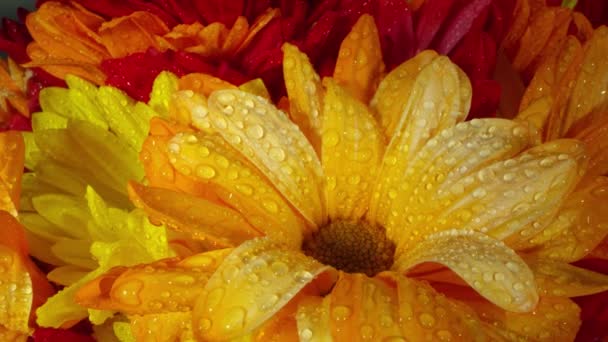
(82, 152)
(419, 212)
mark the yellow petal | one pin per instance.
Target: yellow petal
(580, 225)
(274, 144)
(256, 87)
(212, 161)
(415, 193)
(203, 84)
(359, 67)
(256, 280)
(590, 91)
(363, 308)
(313, 319)
(394, 90)
(425, 313)
(162, 286)
(486, 264)
(67, 275)
(165, 84)
(352, 148)
(560, 279)
(199, 217)
(305, 93)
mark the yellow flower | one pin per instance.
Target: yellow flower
(82, 152)
(418, 211)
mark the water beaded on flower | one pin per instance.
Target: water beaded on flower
(352, 201)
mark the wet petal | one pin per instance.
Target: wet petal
(424, 312)
(592, 130)
(534, 39)
(274, 144)
(363, 308)
(163, 286)
(591, 88)
(313, 319)
(394, 90)
(486, 264)
(352, 148)
(256, 280)
(165, 84)
(305, 93)
(197, 216)
(420, 189)
(256, 87)
(203, 84)
(359, 67)
(560, 279)
(211, 160)
(578, 228)
(12, 151)
(136, 32)
(173, 326)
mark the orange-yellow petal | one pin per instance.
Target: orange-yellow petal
(313, 319)
(203, 84)
(352, 148)
(363, 308)
(256, 87)
(260, 22)
(592, 130)
(12, 156)
(254, 282)
(270, 141)
(580, 225)
(424, 313)
(163, 286)
(419, 194)
(394, 90)
(136, 32)
(521, 14)
(560, 279)
(209, 159)
(359, 67)
(486, 264)
(203, 219)
(305, 93)
(165, 327)
(534, 38)
(590, 92)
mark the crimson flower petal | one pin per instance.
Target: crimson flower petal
(431, 16)
(396, 29)
(460, 24)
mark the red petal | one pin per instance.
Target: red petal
(224, 12)
(596, 11)
(486, 96)
(59, 335)
(396, 29)
(19, 123)
(460, 24)
(431, 16)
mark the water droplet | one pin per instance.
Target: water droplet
(367, 332)
(234, 319)
(271, 206)
(205, 324)
(341, 313)
(303, 276)
(444, 335)
(427, 320)
(279, 268)
(277, 153)
(305, 334)
(331, 138)
(205, 172)
(245, 189)
(255, 132)
(128, 292)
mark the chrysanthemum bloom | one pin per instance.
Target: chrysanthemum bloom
(370, 211)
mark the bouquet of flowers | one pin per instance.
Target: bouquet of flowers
(385, 170)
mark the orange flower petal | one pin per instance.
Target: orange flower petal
(203, 219)
(535, 38)
(253, 283)
(211, 160)
(560, 279)
(260, 22)
(305, 93)
(352, 148)
(594, 134)
(362, 308)
(583, 26)
(136, 32)
(521, 14)
(425, 313)
(590, 93)
(359, 67)
(203, 84)
(22, 286)
(580, 225)
(172, 326)
(12, 155)
(159, 287)
(313, 319)
(511, 288)
(236, 36)
(394, 90)
(561, 23)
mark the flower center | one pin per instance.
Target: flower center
(354, 247)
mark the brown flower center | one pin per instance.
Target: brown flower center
(354, 247)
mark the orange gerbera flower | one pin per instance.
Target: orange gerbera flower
(69, 39)
(22, 286)
(13, 85)
(374, 175)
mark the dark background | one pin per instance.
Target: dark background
(8, 8)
